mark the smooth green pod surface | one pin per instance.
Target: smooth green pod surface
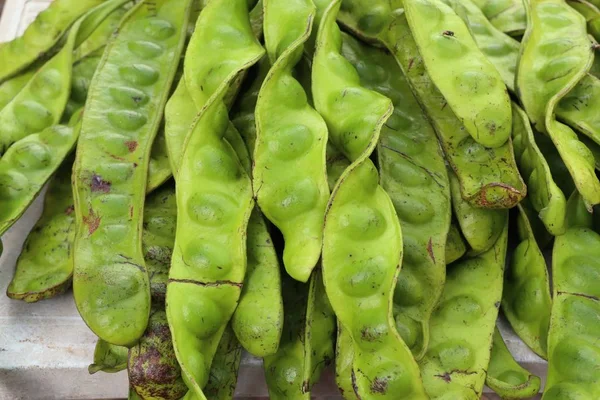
(41, 35)
(555, 54)
(506, 377)
(289, 176)
(573, 349)
(455, 244)
(469, 82)
(463, 324)
(225, 367)
(544, 194)
(362, 246)
(28, 165)
(526, 300)
(100, 36)
(214, 198)
(81, 78)
(480, 227)
(344, 358)
(578, 108)
(488, 177)
(44, 268)
(414, 175)
(10, 88)
(507, 15)
(122, 116)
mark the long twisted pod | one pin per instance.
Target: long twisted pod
(526, 300)
(488, 177)
(480, 227)
(414, 175)
(573, 348)
(555, 54)
(463, 324)
(362, 241)
(289, 177)
(307, 342)
(122, 115)
(41, 35)
(506, 377)
(469, 82)
(214, 198)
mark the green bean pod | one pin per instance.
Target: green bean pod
(573, 349)
(463, 324)
(41, 102)
(81, 78)
(455, 244)
(488, 177)
(362, 246)
(11, 87)
(258, 318)
(546, 197)
(108, 358)
(344, 358)
(591, 13)
(122, 115)
(506, 377)
(578, 108)
(214, 198)
(555, 54)
(413, 173)
(41, 35)
(526, 300)
(224, 368)
(28, 165)
(469, 82)
(100, 36)
(289, 176)
(307, 341)
(159, 166)
(481, 227)
(507, 16)
(44, 268)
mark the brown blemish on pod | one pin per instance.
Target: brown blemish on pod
(97, 184)
(92, 221)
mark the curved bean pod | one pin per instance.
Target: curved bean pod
(573, 349)
(108, 358)
(289, 176)
(362, 231)
(214, 198)
(224, 368)
(546, 197)
(591, 14)
(463, 324)
(508, 16)
(81, 78)
(122, 116)
(44, 268)
(488, 177)
(344, 358)
(506, 377)
(455, 244)
(10, 88)
(159, 166)
(526, 300)
(578, 107)
(41, 35)
(28, 165)
(41, 102)
(100, 36)
(307, 342)
(413, 173)
(481, 227)
(469, 82)
(555, 54)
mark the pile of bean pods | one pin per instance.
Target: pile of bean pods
(316, 182)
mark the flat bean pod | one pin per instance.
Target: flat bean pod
(362, 246)
(526, 300)
(508, 16)
(11, 87)
(123, 113)
(100, 36)
(573, 349)
(481, 227)
(45, 268)
(463, 324)
(506, 377)
(289, 176)
(555, 54)
(41, 35)
(108, 358)
(159, 166)
(578, 108)
(455, 244)
(469, 82)
(344, 359)
(488, 177)
(28, 165)
(413, 173)
(591, 14)
(544, 194)
(224, 368)
(81, 78)
(307, 342)
(214, 198)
